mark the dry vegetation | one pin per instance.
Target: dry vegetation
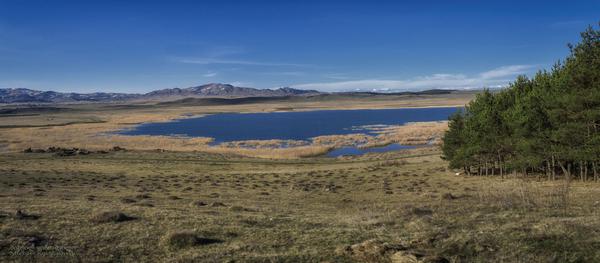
(416, 133)
(257, 144)
(342, 140)
(179, 207)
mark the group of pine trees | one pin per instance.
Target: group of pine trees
(547, 125)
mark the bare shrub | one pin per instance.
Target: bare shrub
(518, 194)
(186, 239)
(111, 217)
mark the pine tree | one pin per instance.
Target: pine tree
(545, 124)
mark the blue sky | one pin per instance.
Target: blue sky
(139, 46)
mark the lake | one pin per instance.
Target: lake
(299, 125)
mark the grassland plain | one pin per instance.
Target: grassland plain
(148, 206)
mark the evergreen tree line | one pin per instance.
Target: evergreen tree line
(548, 125)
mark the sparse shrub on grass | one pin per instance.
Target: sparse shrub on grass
(127, 200)
(20, 215)
(186, 239)
(198, 203)
(518, 194)
(421, 211)
(217, 204)
(448, 196)
(20, 238)
(143, 196)
(237, 208)
(144, 204)
(111, 217)
(559, 195)
(370, 251)
(4, 214)
(468, 246)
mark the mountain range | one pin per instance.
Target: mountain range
(212, 90)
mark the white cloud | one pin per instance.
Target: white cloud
(209, 74)
(492, 78)
(506, 71)
(224, 51)
(337, 76)
(285, 73)
(223, 55)
(241, 84)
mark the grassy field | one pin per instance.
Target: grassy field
(148, 206)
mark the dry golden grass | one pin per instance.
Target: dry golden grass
(258, 144)
(97, 136)
(416, 133)
(371, 208)
(274, 153)
(342, 140)
(515, 194)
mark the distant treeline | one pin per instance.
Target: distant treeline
(549, 124)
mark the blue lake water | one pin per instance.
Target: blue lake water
(301, 125)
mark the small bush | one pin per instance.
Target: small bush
(198, 203)
(185, 239)
(526, 195)
(126, 200)
(449, 196)
(217, 204)
(370, 251)
(111, 217)
(20, 215)
(20, 238)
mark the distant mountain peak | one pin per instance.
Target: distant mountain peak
(212, 90)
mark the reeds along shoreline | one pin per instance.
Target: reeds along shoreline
(102, 135)
(417, 133)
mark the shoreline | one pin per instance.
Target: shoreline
(183, 117)
(375, 138)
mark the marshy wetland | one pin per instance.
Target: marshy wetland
(101, 126)
(173, 199)
(292, 129)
